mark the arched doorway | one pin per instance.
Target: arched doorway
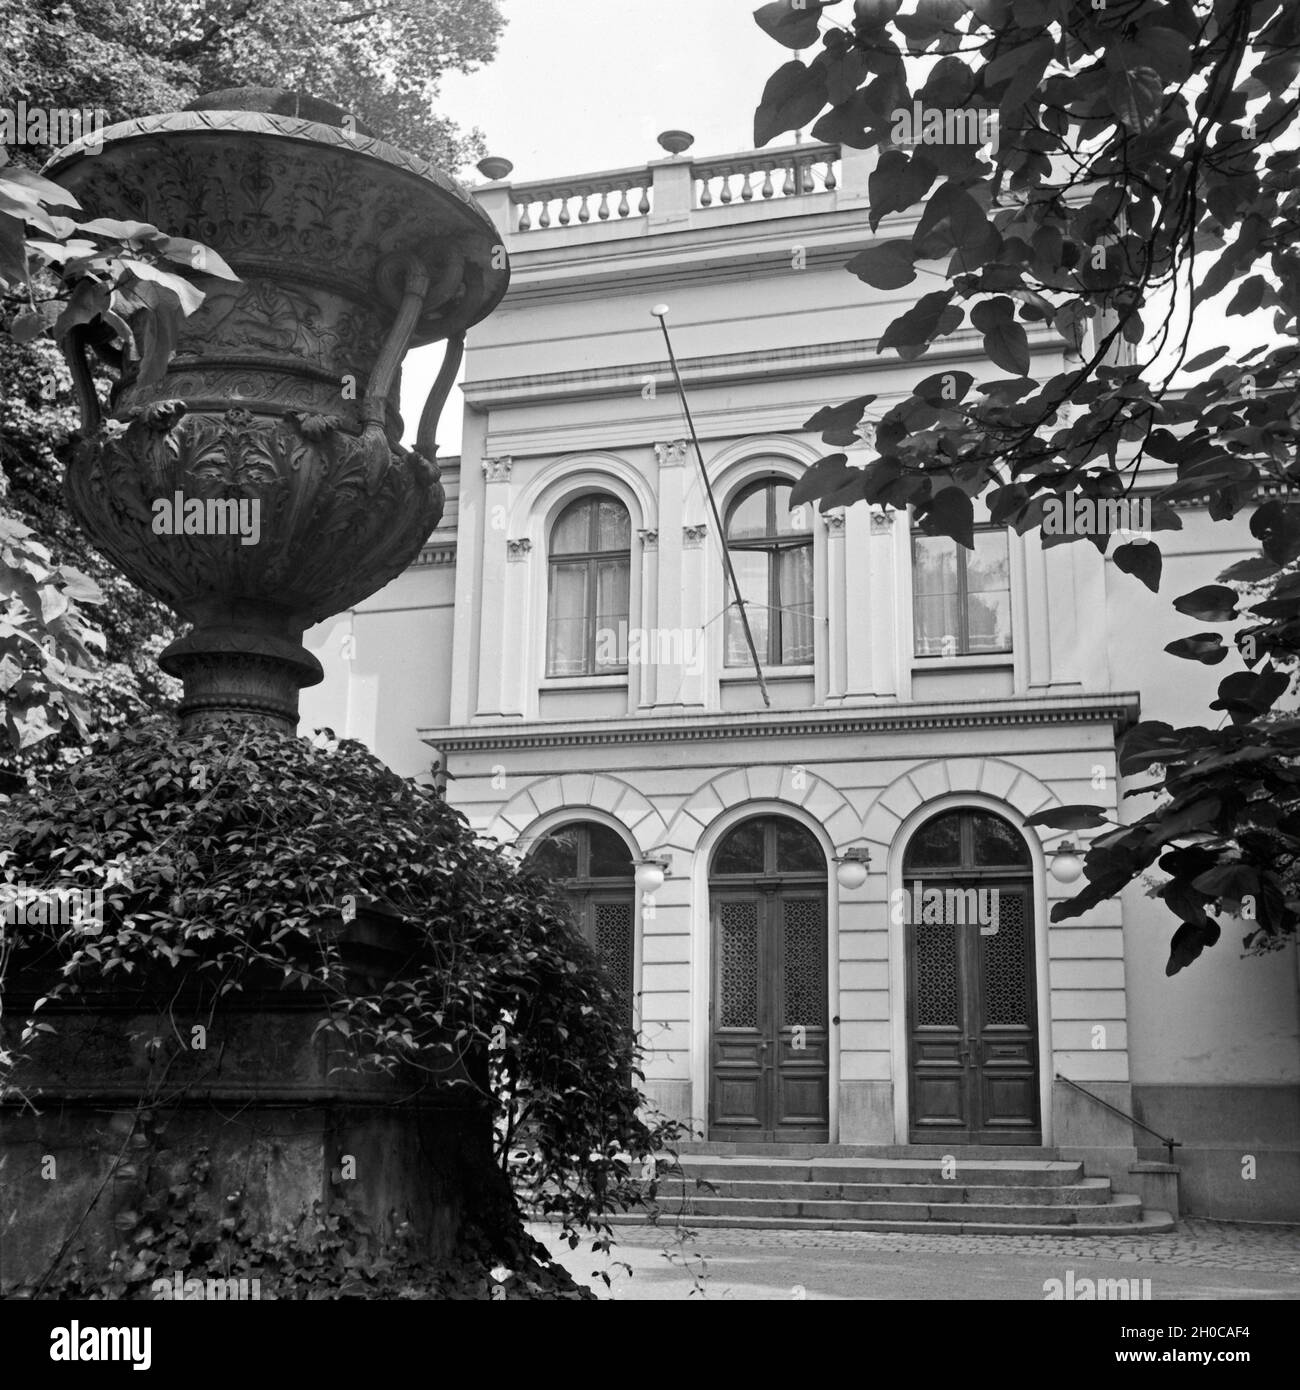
(972, 1019)
(593, 865)
(769, 1050)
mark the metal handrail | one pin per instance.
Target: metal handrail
(1170, 1144)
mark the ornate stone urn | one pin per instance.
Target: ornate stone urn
(261, 484)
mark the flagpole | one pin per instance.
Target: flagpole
(660, 311)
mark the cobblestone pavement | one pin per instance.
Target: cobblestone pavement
(1200, 1259)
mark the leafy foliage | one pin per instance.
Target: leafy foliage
(228, 861)
(1132, 162)
(381, 62)
(327, 1253)
(112, 275)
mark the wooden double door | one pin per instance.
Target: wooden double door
(973, 1020)
(769, 1041)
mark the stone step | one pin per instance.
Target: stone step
(1089, 1192)
(1144, 1223)
(935, 1152)
(982, 1172)
(936, 1214)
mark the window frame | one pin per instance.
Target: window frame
(591, 559)
(771, 544)
(964, 650)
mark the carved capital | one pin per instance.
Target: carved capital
(498, 470)
(882, 520)
(834, 522)
(518, 550)
(672, 454)
(649, 539)
(693, 536)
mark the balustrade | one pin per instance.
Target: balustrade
(623, 194)
(787, 173)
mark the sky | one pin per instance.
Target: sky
(583, 85)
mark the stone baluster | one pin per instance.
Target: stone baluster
(768, 190)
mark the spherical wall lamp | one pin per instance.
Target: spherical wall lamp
(1066, 865)
(650, 875)
(853, 866)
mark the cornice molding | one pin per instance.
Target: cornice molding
(855, 355)
(1118, 710)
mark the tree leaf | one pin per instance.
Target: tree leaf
(1135, 94)
(1212, 603)
(793, 96)
(794, 23)
(885, 265)
(838, 423)
(1077, 817)
(949, 512)
(930, 317)
(1005, 340)
(1141, 559)
(1205, 647)
(898, 183)
(944, 388)
(825, 476)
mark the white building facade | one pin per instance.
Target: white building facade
(567, 651)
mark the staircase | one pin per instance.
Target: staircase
(988, 1191)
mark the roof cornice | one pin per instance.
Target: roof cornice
(1117, 709)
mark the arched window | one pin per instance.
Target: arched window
(590, 576)
(965, 842)
(773, 560)
(593, 865)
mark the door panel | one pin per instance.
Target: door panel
(769, 1049)
(972, 1026)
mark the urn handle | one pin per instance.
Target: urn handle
(83, 382)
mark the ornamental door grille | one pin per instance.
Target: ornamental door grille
(972, 1010)
(593, 867)
(769, 1043)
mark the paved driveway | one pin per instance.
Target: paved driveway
(1201, 1259)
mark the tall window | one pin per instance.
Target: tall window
(590, 574)
(961, 599)
(594, 867)
(773, 560)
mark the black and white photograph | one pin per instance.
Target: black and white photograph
(649, 652)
